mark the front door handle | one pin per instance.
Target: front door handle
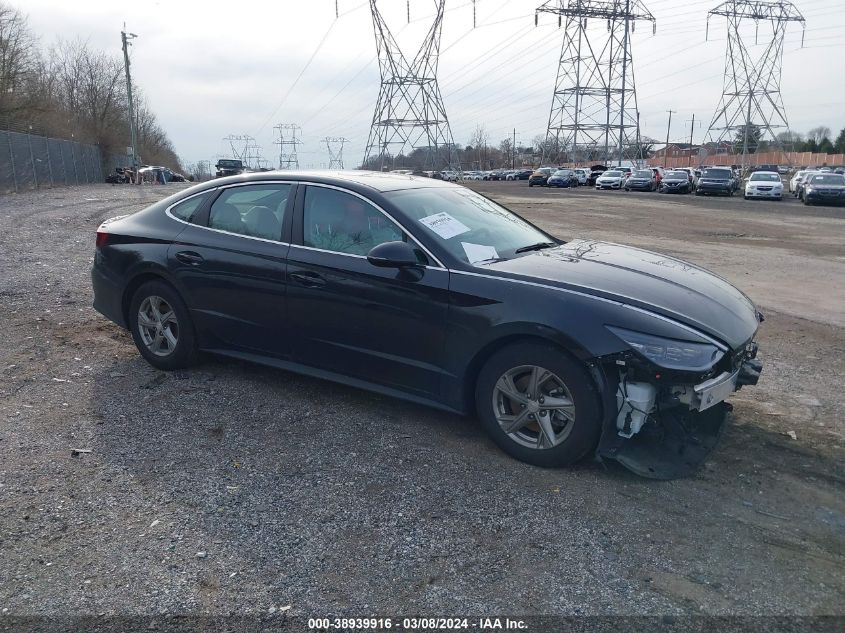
(189, 257)
(308, 279)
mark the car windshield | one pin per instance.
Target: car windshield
(717, 173)
(612, 174)
(677, 174)
(643, 173)
(229, 163)
(828, 179)
(764, 176)
(468, 225)
(562, 172)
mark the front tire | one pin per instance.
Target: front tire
(538, 405)
(161, 326)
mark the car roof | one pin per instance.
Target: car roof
(379, 181)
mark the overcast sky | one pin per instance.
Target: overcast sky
(210, 69)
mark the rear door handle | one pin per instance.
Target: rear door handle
(189, 257)
(309, 279)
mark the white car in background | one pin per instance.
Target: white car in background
(582, 175)
(611, 179)
(793, 182)
(764, 184)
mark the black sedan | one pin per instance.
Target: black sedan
(825, 189)
(676, 182)
(428, 291)
(641, 180)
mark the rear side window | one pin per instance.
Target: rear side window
(252, 210)
(185, 209)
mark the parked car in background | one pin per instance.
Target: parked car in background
(799, 187)
(641, 180)
(825, 189)
(658, 174)
(540, 177)
(793, 182)
(764, 184)
(783, 170)
(676, 181)
(694, 175)
(583, 175)
(716, 180)
(563, 178)
(611, 179)
(523, 174)
(595, 172)
(431, 292)
(228, 167)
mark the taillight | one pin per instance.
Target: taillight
(102, 239)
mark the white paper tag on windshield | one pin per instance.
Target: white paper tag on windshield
(444, 225)
(479, 252)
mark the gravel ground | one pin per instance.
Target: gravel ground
(236, 489)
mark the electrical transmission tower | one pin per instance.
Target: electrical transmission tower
(751, 108)
(594, 112)
(409, 115)
(335, 147)
(287, 138)
(241, 146)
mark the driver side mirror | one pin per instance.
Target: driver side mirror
(394, 255)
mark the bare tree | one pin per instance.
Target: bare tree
(818, 134)
(18, 57)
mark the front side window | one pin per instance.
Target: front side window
(185, 209)
(343, 223)
(252, 210)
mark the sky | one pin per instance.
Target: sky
(212, 69)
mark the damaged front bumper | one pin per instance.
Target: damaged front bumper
(663, 428)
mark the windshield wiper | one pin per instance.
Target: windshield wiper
(535, 247)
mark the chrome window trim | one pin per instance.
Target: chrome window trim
(169, 213)
(373, 204)
(622, 304)
(323, 250)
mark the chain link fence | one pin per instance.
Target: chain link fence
(29, 161)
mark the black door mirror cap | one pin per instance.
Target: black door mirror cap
(394, 255)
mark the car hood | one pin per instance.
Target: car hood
(664, 285)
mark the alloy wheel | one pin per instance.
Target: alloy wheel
(158, 325)
(534, 407)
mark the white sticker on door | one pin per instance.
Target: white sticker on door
(444, 225)
(479, 252)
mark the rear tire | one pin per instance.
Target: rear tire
(161, 326)
(555, 435)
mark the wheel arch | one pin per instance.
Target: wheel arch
(137, 280)
(539, 334)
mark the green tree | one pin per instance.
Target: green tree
(826, 147)
(839, 145)
(754, 133)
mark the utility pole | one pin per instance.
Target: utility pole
(691, 130)
(124, 38)
(513, 149)
(668, 128)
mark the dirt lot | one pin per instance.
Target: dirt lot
(233, 489)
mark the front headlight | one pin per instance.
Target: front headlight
(670, 353)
